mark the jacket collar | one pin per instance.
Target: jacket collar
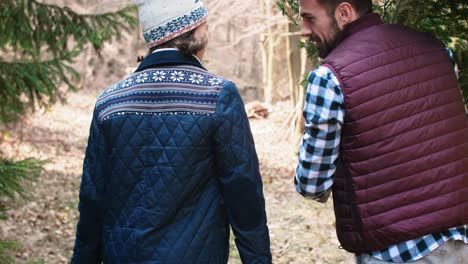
(364, 22)
(168, 57)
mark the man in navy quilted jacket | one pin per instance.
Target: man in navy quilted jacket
(171, 164)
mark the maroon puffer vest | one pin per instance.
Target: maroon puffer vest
(403, 169)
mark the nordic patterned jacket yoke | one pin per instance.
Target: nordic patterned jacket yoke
(171, 89)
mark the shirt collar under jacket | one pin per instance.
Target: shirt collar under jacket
(168, 57)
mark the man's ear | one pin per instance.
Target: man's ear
(201, 30)
(345, 14)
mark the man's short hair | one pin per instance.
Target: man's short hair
(361, 6)
(185, 43)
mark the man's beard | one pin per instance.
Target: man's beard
(324, 47)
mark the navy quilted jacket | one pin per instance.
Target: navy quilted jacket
(170, 166)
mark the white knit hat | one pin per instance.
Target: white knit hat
(163, 20)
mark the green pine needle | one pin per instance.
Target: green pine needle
(47, 38)
(6, 248)
(13, 175)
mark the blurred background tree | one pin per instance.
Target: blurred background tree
(38, 44)
(446, 19)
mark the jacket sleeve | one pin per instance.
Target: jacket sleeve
(88, 234)
(239, 178)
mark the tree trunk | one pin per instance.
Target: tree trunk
(294, 60)
(268, 92)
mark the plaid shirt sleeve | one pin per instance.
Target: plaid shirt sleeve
(319, 150)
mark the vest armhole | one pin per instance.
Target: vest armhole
(332, 69)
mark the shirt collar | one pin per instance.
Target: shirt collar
(168, 57)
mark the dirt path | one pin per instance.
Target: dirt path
(302, 231)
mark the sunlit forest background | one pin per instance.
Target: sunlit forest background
(56, 56)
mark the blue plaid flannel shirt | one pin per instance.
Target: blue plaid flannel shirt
(324, 114)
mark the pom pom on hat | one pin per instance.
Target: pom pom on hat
(163, 20)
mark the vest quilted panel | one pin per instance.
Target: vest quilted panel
(404, 153)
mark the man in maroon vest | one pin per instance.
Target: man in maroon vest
(386, 130)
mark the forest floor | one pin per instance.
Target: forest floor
(302, 231)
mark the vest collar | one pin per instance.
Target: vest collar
(168, 57)
(364, 22)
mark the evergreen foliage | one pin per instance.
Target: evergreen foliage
(38, 43)
(290, 9)
(446, 19)
(7, 246)
(37, 80)
(15, 174)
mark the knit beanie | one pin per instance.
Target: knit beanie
(163, 20)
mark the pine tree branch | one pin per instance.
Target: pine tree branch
(13, 175)
(35, 80)
(30, 27)
(290, 9)
(34, 31)
(6, 248)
